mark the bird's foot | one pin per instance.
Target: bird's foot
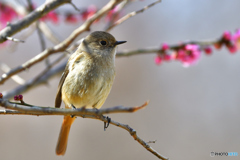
(106, 124)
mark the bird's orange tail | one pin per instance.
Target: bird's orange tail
(63, 135)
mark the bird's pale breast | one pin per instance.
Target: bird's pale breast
(87, 84)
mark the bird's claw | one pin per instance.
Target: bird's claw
(106, 124)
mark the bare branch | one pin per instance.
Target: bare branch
(203, 43)
(13, 28)
(32, 83)
(63, 45)
(75, 7)
(43, 43)
(48, 33)
(136, 52)
(116, 13)
(41, 38)
(129, 15)
(37, 110)
(133, 133)
(23, 36)
(16, 78)
(20, 109)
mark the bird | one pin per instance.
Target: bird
(87, 79)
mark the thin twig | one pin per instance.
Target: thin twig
(132, 132)
(48, 33)
(117, 13)
(36, 79)
(16, 78)
(75, 7)
(131, 15)
(43, 43)
(23, 36)
(14, 39)
(63, 45)
(32, 83)
(41, 38)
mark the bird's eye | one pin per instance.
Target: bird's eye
(103, 43)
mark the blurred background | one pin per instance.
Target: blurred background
(192, 111)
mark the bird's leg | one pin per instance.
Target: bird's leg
(73, 108)
(106, 124)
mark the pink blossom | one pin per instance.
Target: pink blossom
(167, 57)
(89, 12)
(158, 60)
(111, 15)
(232, 47)
(208, 50)
(70, 18)
(174, 55)
(7, 14)
(165, 46)
(189, 55)
(218, 45)
(16, 98)
(227, 35)
(52, 16)
(20, 97)
(236, 36)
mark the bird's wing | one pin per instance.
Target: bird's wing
(77, 56)
(58, 99)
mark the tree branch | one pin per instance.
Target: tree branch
(38, 110)
(131, 15)
(12, 29)
(171, 47)
(133, 133)
(21, 109)
(16, 78)
(32, 83)
(63, 45)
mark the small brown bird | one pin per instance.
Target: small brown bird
(87, 79)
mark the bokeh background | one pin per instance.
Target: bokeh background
(192, 111)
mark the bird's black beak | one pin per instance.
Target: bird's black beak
(119, 42)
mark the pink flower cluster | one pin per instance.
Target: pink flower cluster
(18, 97)
(73, 18)
(69, 17)
(51, 16)
(7, 14)
(189, 53)
(229, 40)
